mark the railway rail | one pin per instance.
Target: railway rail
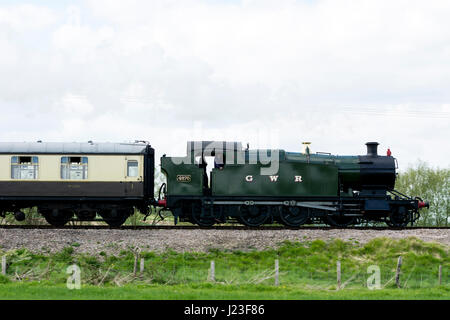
(226, 227)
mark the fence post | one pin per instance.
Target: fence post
(397, 274)
(135, 263)
(4, 265)
(212, 272)
(277, 272)
(338, 266)
(142, 265)
(440, 274)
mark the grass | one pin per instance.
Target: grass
(39, 291)
(307, 271)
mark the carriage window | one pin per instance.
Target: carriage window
(74, 168)
(24, 168)
(132, 168)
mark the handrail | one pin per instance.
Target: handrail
(396, 193)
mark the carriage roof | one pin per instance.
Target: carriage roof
(71, 148)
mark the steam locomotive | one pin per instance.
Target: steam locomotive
(82, 181)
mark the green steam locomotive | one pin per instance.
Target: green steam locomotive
(256, 187)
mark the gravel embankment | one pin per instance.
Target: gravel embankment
(112, 241)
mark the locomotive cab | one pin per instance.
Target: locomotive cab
(190, 173)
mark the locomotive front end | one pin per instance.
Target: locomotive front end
(371, 178)
(367, 173)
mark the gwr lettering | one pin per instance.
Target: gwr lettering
(274, 178)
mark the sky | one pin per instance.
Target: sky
(270, 73)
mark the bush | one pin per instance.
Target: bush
(4, 279)
(432, 185)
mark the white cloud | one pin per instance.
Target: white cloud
(25, 17)
(75, 106)
(336, 73)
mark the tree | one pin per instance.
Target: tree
(432, 185)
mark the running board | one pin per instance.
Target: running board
(312, 205)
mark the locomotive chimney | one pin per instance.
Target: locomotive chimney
(372, 149)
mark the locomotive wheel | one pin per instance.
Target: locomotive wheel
(398, 218)
(293, 216)
(199, 219)
(342, 222)
(57, 218)
(253, 216)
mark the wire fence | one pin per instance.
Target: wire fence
(144, 270)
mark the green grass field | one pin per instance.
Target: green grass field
(307, 271)
(37, 291)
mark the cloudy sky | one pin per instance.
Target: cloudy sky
(271, 73)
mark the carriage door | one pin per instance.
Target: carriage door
(133, 178)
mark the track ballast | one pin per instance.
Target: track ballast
(194, 227)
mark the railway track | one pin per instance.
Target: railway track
(193, 227)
